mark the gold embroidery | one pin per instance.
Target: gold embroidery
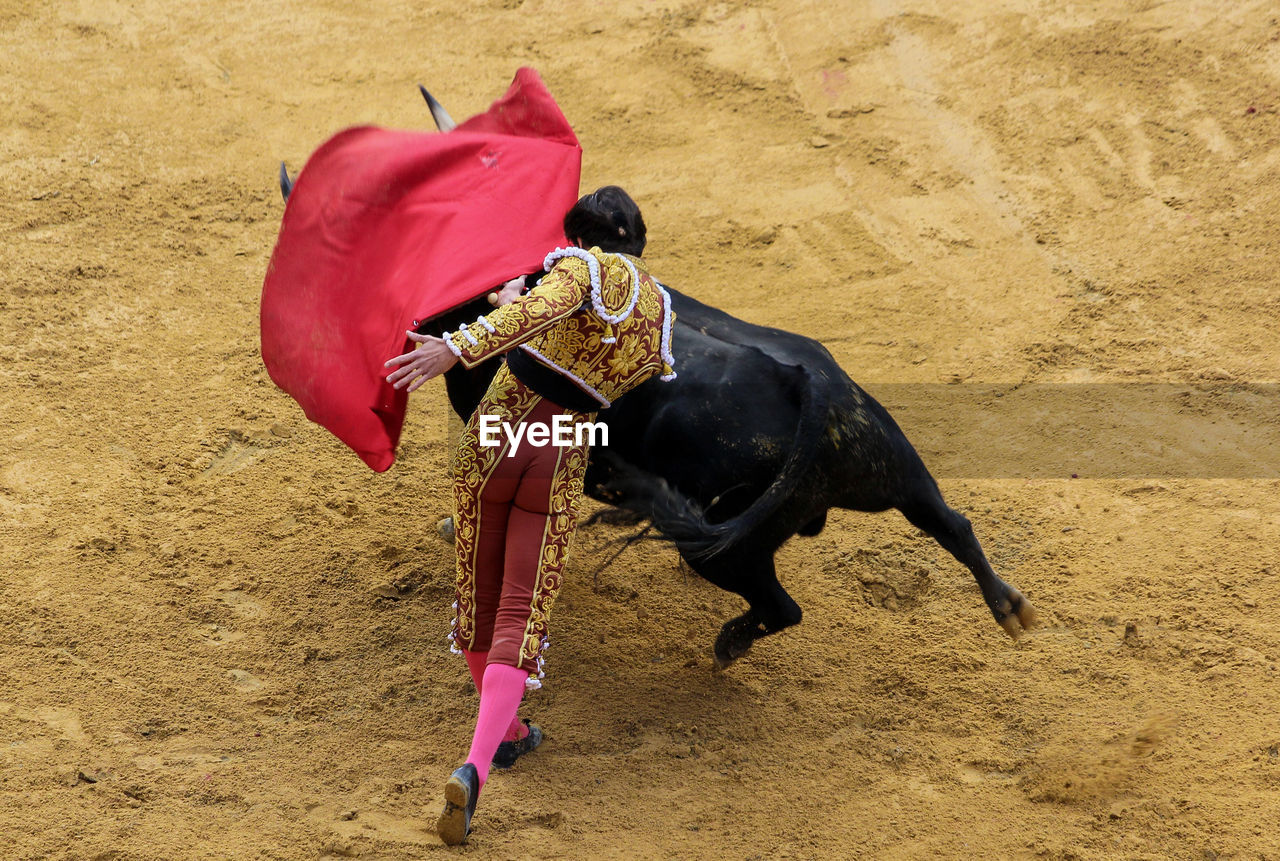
(545, 319)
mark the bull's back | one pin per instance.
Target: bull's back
(737, 409)
(721, 430)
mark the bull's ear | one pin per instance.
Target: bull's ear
(444, 122)
(286, 184)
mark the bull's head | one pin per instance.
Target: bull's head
(444, 123)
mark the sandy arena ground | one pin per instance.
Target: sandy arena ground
(224, 637)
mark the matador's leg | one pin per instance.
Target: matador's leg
(540, 528)
(481, 524)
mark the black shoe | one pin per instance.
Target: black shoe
(509, 751)
(460, 795)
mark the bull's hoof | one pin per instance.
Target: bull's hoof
(724, 659)
(1015, 614)
(735, 640)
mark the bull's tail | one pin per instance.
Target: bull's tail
(683, 520)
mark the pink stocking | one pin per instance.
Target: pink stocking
(476, 663)
(503, 687)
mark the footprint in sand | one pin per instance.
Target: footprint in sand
(244, 681)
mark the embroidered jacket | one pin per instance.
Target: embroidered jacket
(598, 319)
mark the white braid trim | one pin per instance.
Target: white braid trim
(534, 684)
(665, 348)
(593, 266)
(466, 333)
(581, 383)
(484, 322)
(453, 348)
(453, 633)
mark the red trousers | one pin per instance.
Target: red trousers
(514, 519)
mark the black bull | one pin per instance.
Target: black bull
(758, 436)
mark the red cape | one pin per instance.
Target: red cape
(385, 228)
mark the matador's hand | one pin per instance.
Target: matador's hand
(507, 293)
(432, 358)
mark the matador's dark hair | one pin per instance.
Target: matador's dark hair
(609, 218)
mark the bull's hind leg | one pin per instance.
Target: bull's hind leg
(953, 531)
(770, 607)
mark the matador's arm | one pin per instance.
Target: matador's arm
(561, 292)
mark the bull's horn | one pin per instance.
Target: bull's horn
(444, 122)
(286, 184)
